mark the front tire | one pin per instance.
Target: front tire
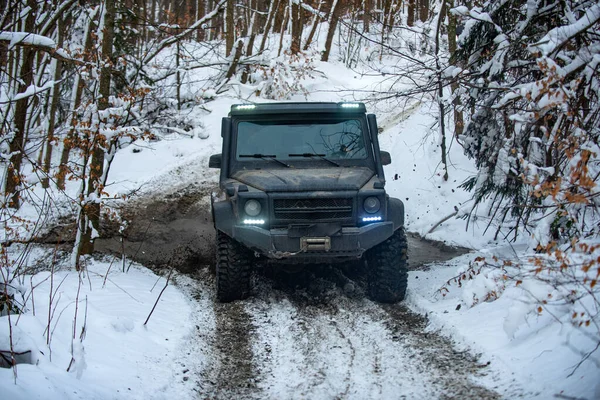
(233, 269)
(388, 269)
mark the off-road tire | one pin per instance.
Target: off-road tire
(233, 269)
(388, 269)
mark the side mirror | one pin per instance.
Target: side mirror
(386, 159)
(214, 161)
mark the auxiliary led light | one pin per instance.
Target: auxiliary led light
(371, 219)
(246, 107)
(350, 105)
(254, 221)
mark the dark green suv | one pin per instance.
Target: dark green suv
(303, 183)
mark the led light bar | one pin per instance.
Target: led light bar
(350, 105)
(371, 219)
(246, 107)
(254, 221)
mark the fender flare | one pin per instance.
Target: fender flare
(396, 212)
(223, 217)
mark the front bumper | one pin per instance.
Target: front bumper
(285, 243)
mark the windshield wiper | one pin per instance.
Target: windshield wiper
(265, 157)
(321, 156)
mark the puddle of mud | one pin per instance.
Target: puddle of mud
(177, 230)
(174, 231)
(422, 251)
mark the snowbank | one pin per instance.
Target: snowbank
(113, 354)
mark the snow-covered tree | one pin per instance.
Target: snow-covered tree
(533, 89)
(533, 84)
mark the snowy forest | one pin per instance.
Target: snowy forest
(514, 85)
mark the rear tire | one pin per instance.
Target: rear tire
(388, 269)
(233, 269)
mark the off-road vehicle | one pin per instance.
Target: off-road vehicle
(303, 183)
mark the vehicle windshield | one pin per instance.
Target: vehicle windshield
(333, 140)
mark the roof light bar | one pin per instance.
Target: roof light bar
(246, 107)
(350, 105)
(371, 219)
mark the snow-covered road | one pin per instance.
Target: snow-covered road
(315, 340)
(312, 334)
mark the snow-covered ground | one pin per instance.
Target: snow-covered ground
(116, 355)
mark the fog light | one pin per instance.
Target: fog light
(371, 219)
(254, 221)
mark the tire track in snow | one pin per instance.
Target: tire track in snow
(355, 349)
(452, 370)
(352, 359)
(290, 344)
(234, 375)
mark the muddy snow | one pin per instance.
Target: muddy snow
(310, 334)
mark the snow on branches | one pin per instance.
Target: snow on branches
(533, 89)
(534, 133)
(283, 77)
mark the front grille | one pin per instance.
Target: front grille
(312, 209)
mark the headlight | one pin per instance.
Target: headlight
(252, 208)
(371, 204)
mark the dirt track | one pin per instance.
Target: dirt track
(312, 334)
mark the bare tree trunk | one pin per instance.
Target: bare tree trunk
(162, 12)
(333, 20)
(143, 10)
(229, 28)
(77, 92)
(92, 208)
(367, 15)
(315, 24)
(236, 59)
(152, 20)
(16, 146)
(190, 11)
(441, 90)
(200, 10)
(250, 44)
(178, 77)
(286, 19)
(393, 10)
(386, 12)
(410, 13)
(216, 32)
(55, 98)
(253, 29)
(423, 10)
(273, 6)
(458, 115)
(296, 15)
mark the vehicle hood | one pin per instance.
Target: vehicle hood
(293, 180)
